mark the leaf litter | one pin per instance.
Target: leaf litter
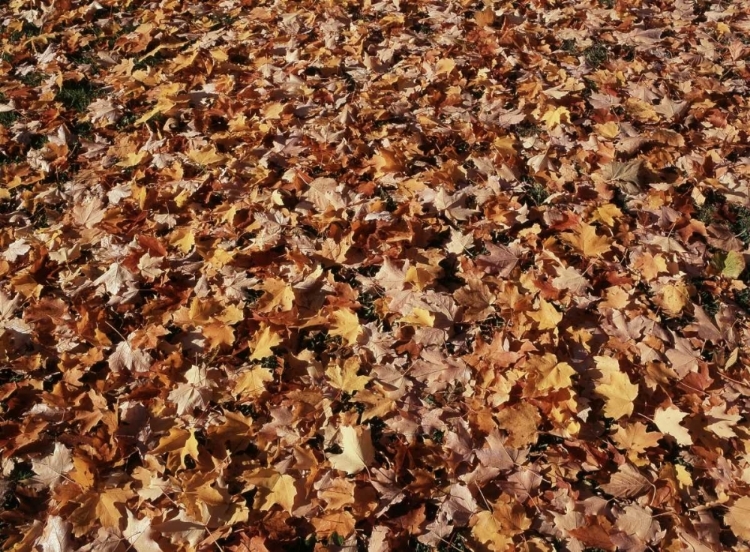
(398, 275)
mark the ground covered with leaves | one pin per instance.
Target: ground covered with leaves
(374, 276)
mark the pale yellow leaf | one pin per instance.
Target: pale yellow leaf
(358, 452)
(668, 421)
(738, 518)
(619, 394)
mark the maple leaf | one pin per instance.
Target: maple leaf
(279, 295)
(487, 530)
(341, 523)
(522, 422)
(265, 338)
(346, 324)
(125, 357)
(721, 422)
(555, 117)
(588, 241)
(195, 393)
(501, 260)
(52, 469)
(668, 421)
(619, 393)
(218, 335)
(56, 536)
(738, 518)
(627, 482)
(138, 533)
(114, 279)
(635, 439)
(345, 377)
(358, 452)
(252, 382)
(551, 374)
(674, 298)
(89, 213)
(101, 508)
(547, 316)
(18, 248)
(282, 493)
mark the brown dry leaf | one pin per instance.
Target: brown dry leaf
(341, 523)
(627, 482)
(521, 422)
(51, 470)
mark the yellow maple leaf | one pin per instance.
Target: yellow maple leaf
(419, 317)
(183, 238)
(635, 439)
(619, 394)
(218, 334)
(252, 382)
(206, 156)
(547, 316)
(487, 530)
(608, 130)
(264, 339)
(556, 116)
(345, 377)
(668, 421)
(282, 493)
(673, 298)
(346, 324)
(607, 214)
(587, 241)
(551, 374)
(279, 294)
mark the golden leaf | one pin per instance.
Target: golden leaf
(587, 241)
(252, 382)
(555, 117)
(264, 339)
(547, 316)
(346, 324)
(619, 394)
(346, 378)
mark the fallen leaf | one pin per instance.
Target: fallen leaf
(668, 421)
(627, 482)
(358, 452)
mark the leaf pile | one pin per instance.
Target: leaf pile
(397, 275)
